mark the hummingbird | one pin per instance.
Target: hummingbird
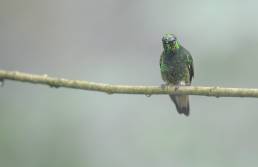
(176, 66)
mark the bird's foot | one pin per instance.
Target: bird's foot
(163, 86)
(177, 87)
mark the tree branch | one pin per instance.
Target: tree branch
(127, 89)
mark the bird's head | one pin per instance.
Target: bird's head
(170, 43)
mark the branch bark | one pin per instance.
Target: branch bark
(127, 89)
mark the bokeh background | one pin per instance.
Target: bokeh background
(119, 41)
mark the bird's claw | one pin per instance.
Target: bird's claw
(163, 86)
(176, 87)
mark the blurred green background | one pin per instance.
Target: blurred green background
(119, 41)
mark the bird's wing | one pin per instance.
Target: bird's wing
(161, 59)
(190, 65)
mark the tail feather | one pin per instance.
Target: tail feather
(182, 104)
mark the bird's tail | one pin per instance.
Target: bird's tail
(182, 103)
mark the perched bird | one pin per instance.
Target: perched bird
(176, 66)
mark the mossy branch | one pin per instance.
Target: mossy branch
(127, 89)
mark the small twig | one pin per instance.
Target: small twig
(127, 89)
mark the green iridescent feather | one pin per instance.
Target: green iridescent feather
(176, 65)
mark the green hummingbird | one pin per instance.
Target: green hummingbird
(176, 66)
